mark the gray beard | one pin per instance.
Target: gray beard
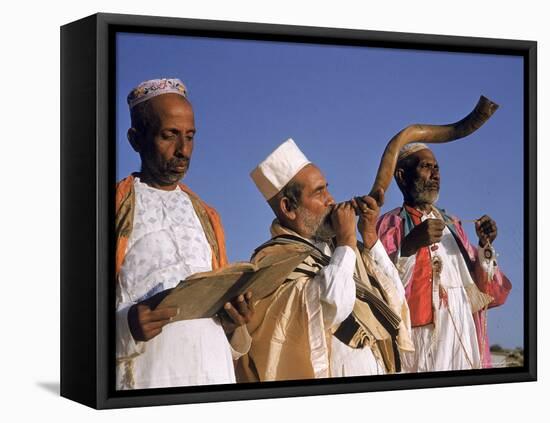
(321, 228)
(422, 194)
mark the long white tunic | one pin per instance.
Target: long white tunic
(337, 304)
(168, 244)
(451, 342)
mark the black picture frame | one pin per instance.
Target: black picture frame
(87, 208)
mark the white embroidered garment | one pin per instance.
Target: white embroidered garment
(344, 360)
(451, 342)
(167, 244)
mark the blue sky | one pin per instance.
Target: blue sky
(341, 105)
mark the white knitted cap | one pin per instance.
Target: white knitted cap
(153, 87)
(411, 148)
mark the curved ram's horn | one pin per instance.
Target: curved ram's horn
(430, 134)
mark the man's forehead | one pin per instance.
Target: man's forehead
(168, 104)
(310, 177)
(424, 155)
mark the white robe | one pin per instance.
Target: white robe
(337, 304)
(451, 342)
(168, 244)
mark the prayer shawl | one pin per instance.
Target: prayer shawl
(396, 225)
(290, 340)
(124, 219)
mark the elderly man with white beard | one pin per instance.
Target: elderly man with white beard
(449, 282)
(342, 311)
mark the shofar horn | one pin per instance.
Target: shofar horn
(430, 134)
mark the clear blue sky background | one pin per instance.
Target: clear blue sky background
(341, 105)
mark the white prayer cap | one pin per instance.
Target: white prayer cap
(409, 149)
(153, 87)
(271, 175)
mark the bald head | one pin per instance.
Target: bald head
(162, 132)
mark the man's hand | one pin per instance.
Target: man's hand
(426, 233)
(486, 230)
(145, 321)
(368, 209)
(343, 222)
(237, 313)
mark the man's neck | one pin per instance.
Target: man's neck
(279, 228)
(149, 181)
(425, 208)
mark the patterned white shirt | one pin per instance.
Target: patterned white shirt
(166, 245)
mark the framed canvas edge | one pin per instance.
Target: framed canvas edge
(78, 220)
(254, 30)
(105, 85)
(530, 205)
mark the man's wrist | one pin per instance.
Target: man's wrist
(369, 239)
(349, 241)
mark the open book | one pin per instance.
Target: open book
(204, 294)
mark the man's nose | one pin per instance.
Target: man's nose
(184, 147)
(329, 200)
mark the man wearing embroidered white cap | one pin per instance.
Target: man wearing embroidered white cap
(449, 282)
(164, 233)
(340, 312)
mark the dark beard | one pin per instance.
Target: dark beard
(165, 173)
(324, 232)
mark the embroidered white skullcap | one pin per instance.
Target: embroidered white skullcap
(271, 175)
(411, 148)
(153, 87)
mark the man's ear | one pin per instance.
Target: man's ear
(134, 139)
(286, 210)
(400, 176)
